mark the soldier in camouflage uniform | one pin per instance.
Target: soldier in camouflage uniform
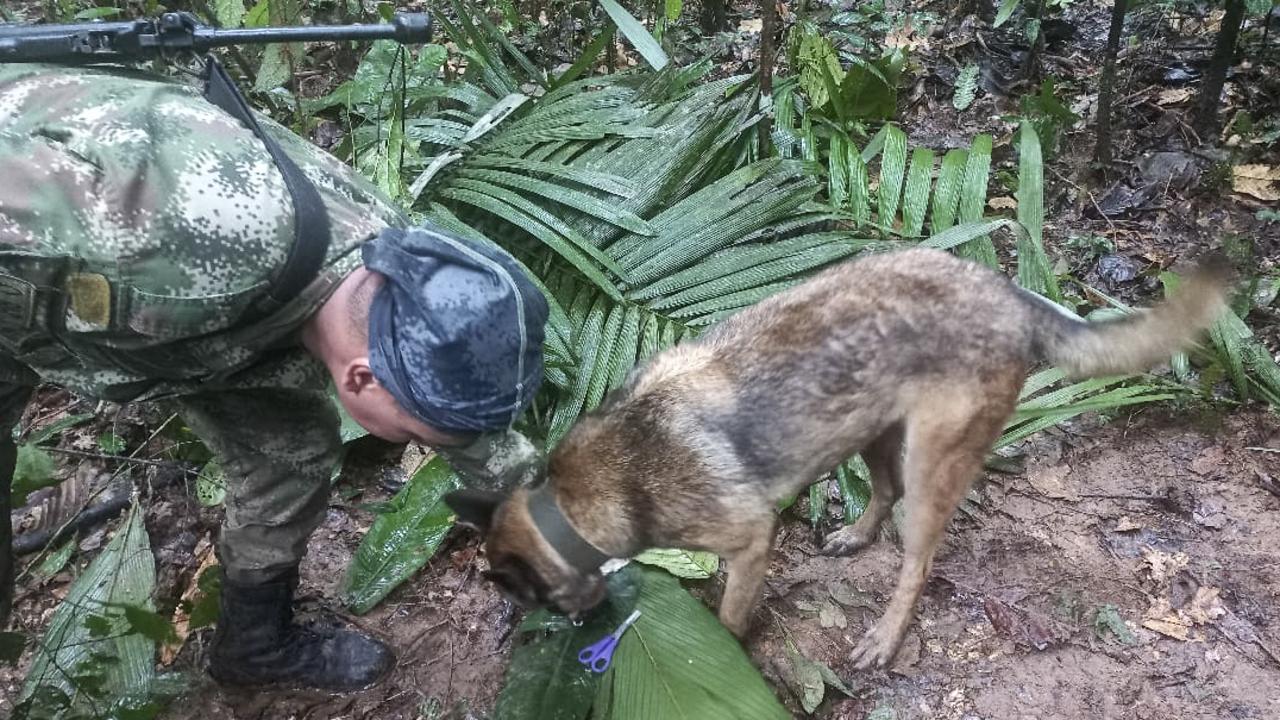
(139, 223)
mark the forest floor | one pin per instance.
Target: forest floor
(1126, 570)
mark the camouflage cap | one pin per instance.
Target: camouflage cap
(456, 331)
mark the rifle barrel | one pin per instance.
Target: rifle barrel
(140, 39)
(406, 29)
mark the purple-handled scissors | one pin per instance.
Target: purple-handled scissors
(598, 656)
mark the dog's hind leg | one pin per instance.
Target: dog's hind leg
(884, 459)
(746, 570)
(947, 440)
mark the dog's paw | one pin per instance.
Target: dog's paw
(845, 541)
(877, 647)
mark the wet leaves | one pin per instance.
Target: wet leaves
(687, 564)
(809, 679)
(402, 539)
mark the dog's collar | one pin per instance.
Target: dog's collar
(563, 538)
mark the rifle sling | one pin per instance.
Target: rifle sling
(311, 231)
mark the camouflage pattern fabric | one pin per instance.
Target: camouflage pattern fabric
(169, 216)
(498, 461)
(159, 219)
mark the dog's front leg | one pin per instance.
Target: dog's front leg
(746, 570)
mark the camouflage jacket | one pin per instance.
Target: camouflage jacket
(137, 221)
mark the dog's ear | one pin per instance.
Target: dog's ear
(474, 507)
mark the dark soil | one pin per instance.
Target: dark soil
(1137, 515)
(1129, 571)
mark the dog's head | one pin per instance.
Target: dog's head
(524, 566)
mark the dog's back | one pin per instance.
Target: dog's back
(786, 389)
(794, 384)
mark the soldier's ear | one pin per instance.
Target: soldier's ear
(475, 507)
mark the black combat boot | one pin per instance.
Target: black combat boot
(256, 643)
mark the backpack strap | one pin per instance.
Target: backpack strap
(311, 230)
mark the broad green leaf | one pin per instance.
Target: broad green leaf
(608, 356)
(817, 503)
(973, 199)
(966, 87)
(1032, 30)
(608, 182)
(947, 196)
(673, 8)
(275, 69)
(957, 235)
(636, 33)
(32, 471)
(893, 167)
(869, 90)
(349, 430)
(111, 443)
(1034, 271)
(916, 195)
(859, 194)
(677, 662)
(854, 480)
(502, 207)
(204, 611)
(211, 484)
(56, 560)
(259, 15)
(805, 680)
(838, 171)
(148, 623)
(567, 196)
(402, 540)
(122, 574)
(229, 13)
(54, 429)
(1006, 11)
(691, 564)
(818, 62)
(545, 680)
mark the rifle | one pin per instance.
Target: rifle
(177, 33)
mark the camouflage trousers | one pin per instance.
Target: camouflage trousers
(278, 448)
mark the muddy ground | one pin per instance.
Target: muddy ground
(1170, 518)
(1161, 521)
(1127, 571)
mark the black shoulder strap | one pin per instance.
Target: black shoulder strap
(310, 219)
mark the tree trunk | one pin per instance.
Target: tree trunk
(768, 28)
(1206, 121)
(1106, 92)
(713, 17)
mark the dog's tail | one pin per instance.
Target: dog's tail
(1136, 342)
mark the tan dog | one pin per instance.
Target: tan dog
(913, 358)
